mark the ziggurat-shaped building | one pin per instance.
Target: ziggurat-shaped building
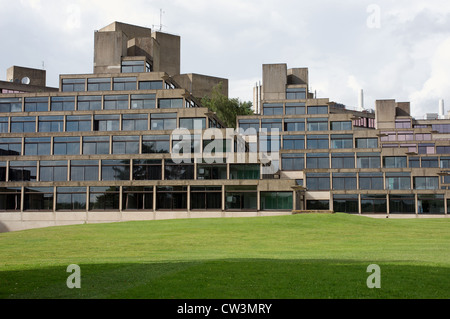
(100, 148)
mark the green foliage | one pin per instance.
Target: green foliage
(226, 109)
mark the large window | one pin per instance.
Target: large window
(341, 141)
(22, 171)
(84, 170)
(163, 121)
(38, 198)
(73, 85)
(426, 182)
(155, 144)
(36, 104)
(371, 180)
(81, 123)
(115, 170)
(320, 109)
(170, 103)
(345, 203)
(71, 198)
(66, 145)
(317, 142)
(51, 123)
(137, 198)
(394, 162)
(430, 162)
(317, 160)
(430, 204)
(107, 122)
(89, 103)
(95, 145)
(104, 198)
(368, 160)
(292, 162)
(246, 124)
(62, 103)
(125, 144)
(341, 126)
(37, 146)
(116, 102)
(10, 198)
(8, 105)
(52, 171)
(273, 108)
(143, 101)
(317, 124)
(342, 160)
(241, 197)
(211, 171)
(367, 143)
(135, 67)
(293, 142)
(295, 108)
(244, 171)
(271, 124)
(10, 146)
(148, 169)
(175, 171)
(124, 84)
(402, 204)
(276, 200)
(198, 123)
(318, 181)
(171, 197)
(99, 84)
(23, 124)
(295, 93)
(398, 180)
(4, 126)
(373, 204)
(293, 125)
(344, 181)
(150, 85)
(206, 197)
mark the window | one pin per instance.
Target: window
(95, 145)
(51, 123)
(52, 171)
(137, 198)
(345, 181)
(317, 141)
(163, 121)
(426, 182)
(366, 143)
(125, 145)
(445, 162)
(37, 146)
(84, 170)
(104, 198)
(36, 104)
(211, 171)
(293, 142)
(241, 197)
(342, 160)
(402, 204)
(423, 137)
(430, 162)
(170, 103)
(295, 108)
(193, 123)
(318, 181)
(73, 85)
(174, 171)
(89, 103)
(292, 125)
(155, 144)
(317, 160)
(271, 124)
(295, 93)
(4, 126)
(244, 171)
(22, 171)
(373, 204)
(171, 197)
(99, 84)
(124, 84)
(38, 198)
(405, 136)
(414, 162)
(206, 197)
(341, 126)
(272, 108)
(147, 170)
(8, 105)
(398, 180)
(10, 198)
(2, 171)
(430, 204)
(341, 141)
(186, 145)
(216, 145)
(115, 170)
(318, 204)
(107, 122)
(441, 128)
(62, 103)
(368, 160)
(135, 67)
(150, 85)
(134, 122)
(276, 200)
(116, 102)
(426, 149)
(23, 124)
(81, 123)
(443, 149)
(71, 198)
(321, 109)
(143, 101)
(394, 161)
(250, 124)
(66, 145)
(403, 123)
(318, 124)
(346, 203)
(292, 162)
(10, 146)
(369, 181)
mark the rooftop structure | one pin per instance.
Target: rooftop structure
(131, 141)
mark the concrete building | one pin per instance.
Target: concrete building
(131, 141)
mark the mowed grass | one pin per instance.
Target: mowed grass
(298, 256)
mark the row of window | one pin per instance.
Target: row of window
(293, 125)
(293, 109)
(398, 204)
(141, 198)
(101, 122)
(112, 84)
(369, 181)
(111, 170)
(92, 103)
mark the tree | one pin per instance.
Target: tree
(226, 109)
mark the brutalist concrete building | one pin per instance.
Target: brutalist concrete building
(131, 141)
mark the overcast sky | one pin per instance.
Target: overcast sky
(392, 49)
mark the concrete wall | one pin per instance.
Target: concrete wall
(169, 55)
(109, 48)
(274, 81)
(37, 77)
(200, 85)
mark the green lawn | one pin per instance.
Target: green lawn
(298, 256)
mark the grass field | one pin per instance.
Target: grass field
(298, 256)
